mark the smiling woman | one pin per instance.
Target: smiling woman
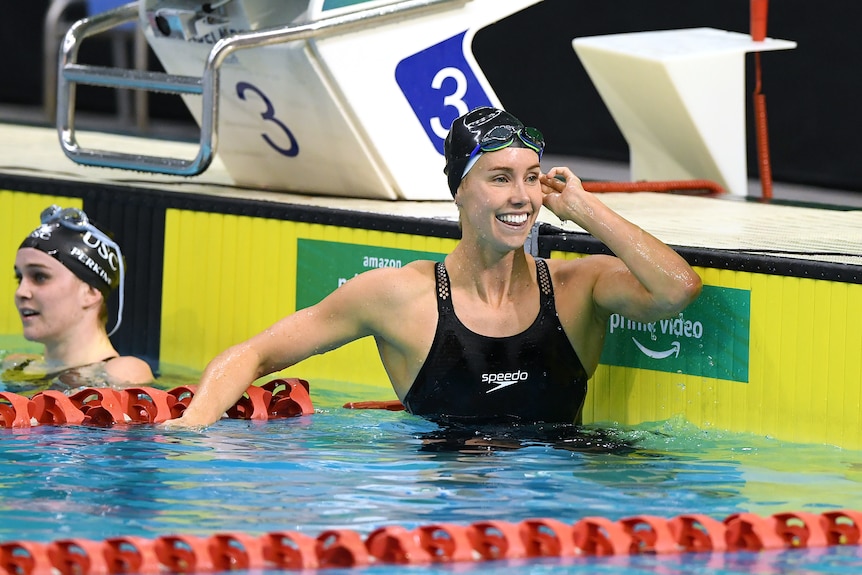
(66, 269)
(491, 333)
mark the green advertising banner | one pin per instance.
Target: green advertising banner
(709, 339)
(322, 266)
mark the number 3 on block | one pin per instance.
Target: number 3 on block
(268, 115)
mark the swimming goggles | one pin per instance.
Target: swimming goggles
(76, 219)
(501, 137)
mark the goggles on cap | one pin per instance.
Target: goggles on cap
(501, 137)
(75, 219)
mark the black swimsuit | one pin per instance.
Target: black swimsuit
(534, 376)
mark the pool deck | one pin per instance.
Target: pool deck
(806, 223)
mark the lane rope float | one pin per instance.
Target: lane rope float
(103, 407)
(489, 540)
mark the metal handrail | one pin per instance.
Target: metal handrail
(207, 86)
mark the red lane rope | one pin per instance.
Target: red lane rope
(389, 405)
(434, 543)
(660, 186)
(104, 407)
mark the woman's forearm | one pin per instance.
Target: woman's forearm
(223, 382)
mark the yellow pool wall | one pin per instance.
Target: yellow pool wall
(227, 277)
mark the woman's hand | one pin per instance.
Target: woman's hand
(564, 194)
(181, 423)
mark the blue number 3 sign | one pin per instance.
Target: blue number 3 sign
(440, 85)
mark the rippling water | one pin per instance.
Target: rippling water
(363, 469)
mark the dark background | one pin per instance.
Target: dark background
(811, 92)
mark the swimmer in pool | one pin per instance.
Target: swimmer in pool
(491, 333)
(66, 269)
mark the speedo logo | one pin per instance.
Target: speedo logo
(504, 379)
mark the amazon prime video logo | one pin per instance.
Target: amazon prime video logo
(710, 338)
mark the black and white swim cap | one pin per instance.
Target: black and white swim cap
(484, 129)
(81, 247)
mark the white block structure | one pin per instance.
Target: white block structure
(678, 97)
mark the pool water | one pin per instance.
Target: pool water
(362, 469)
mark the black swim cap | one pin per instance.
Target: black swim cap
(467, 132)
(83, 252)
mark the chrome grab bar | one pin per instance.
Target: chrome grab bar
(70, 73)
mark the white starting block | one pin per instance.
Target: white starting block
(333, 97)
(678, 97)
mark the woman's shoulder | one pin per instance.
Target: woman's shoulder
(379, 294)
(416, 268)
(128, 370)
(389, 281)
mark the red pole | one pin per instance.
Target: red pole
(759, 10)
